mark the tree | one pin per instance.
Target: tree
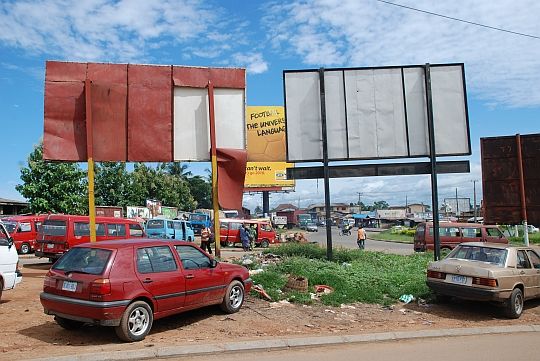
(111, 184)
(176, 169)
(201, 190)
(380, 205)
(258, 210)
(58, 187)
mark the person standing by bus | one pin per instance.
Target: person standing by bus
(206, 234)
(244, 237)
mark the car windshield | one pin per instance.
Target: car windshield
(197, 217)
(155, 224)
(54, 228)
(84, 260)
(10, 226)
(495, 256)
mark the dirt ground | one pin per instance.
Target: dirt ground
(28, 333)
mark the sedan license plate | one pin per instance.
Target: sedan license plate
(69, 286)
(50, 245)
(459, 279)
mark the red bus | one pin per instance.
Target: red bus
(23, 230)
(230, 232)
(60, 232)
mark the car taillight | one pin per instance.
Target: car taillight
(436, 274)
(49, 281)
(100, 287)
(66, 245)
(490, 282)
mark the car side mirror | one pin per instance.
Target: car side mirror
(10, 242)
(214, 263)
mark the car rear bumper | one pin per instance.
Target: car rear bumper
(248, 283)
(465, 292)
(106, 313)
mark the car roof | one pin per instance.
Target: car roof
(490, 245)
(460, 224)
(86, 218)
(130, 242)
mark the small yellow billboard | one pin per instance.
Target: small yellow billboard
(265, 133)
(268, 175)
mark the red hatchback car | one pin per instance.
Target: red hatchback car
(129, 283)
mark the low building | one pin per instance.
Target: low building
(11, 207)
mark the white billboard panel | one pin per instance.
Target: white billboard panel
(375, 113)
(192, 122)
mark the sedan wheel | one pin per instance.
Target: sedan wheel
(136, 322)
(514, 305)
(265, 243)
(234, 297)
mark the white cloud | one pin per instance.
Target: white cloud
(500, 68)
(94, 30)
(254, 63)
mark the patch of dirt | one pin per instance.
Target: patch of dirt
(27, 332)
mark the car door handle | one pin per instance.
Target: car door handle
(148, 280)
(190, 276)
(522, 272)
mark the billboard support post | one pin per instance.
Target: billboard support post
(266, 203)
(433, 159)
(213, 157)
(90, 156)
(325, 168)
(522, 190)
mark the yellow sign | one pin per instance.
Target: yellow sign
(266, 134)
(267, 174)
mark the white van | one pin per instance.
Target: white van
(9, 260)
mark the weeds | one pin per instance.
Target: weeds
(355, 275)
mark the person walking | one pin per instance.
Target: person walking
(244, 237)
(361, 238)
(206, 234)
(252, 234)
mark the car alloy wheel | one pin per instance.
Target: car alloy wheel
(138, 321)
(514, 305)
(234, 297)
(25, 248)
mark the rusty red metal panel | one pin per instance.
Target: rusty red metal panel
(109, 111)
(192, 77)
(64, 71)
(150, 113)
(228, 78)
(64, 124)
(501, 180)
(198, 77)
(231, 176)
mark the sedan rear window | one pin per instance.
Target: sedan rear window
(84, 260)
(483, 254)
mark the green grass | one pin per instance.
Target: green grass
(389, 236)
(355, 275)
(534, 238)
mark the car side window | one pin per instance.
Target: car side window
(155, 259)
(25, 227)
(116, 229)
(192, 258)
(135, 230)
(234, 225)
(170, 225)
(493, 232)
(522, 260)
(471, 232)
(177, 225)
(535, 259)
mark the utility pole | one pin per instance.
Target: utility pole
(474, 198)
(457, 205)
(360, 201)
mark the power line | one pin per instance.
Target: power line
(460, 20)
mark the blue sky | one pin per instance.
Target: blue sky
(502, 69)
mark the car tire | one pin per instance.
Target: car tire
(265, 243)
(25, 248)
(514, 304)
(1, 289)
(68, 324)
(135, 323)
(234, 297)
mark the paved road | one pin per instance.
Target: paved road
(350, 242)
(498, 347)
